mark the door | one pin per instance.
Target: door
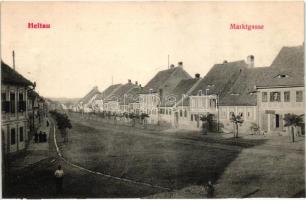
(277, 121)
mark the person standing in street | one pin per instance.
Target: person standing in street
(59, 176)
(210, 190)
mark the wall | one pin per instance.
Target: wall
(249, 114)
(14, 120)
(269, 109)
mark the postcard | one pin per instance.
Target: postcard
(152, 99)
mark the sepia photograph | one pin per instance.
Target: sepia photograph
(152, 99)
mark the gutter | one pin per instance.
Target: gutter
(278, 86)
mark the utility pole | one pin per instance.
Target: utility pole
(168, 61)
(13, 59)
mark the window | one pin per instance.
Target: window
(282, 76)
(181, 113)
(169, 112)
(299, 96)
(5, 107)
(13, 136)
(230, 114)
(191, 117)
(12, 104)
(275, 96)
(166, 111)
(185, 113)
(264, 96)
(248, 114)
(287, 96)
(200, 93)
(21, 134)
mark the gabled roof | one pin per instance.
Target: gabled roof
(242, 91)
(122, 90)
(220, 78)
(10, 76)
(93, 92)
(287, 69)
(110, 90)
(132, 96)
(161, 77)
(177, 94)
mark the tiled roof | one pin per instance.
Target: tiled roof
(110, 90)
(242, 91)
(161, 77)
(182, 88)
(132, 96)
(122, 90)
(286, 70)
(10, 76)
(221, 78)
(90, 95)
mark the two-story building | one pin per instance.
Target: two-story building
(14, 120)
(208, 96)
(281, 90)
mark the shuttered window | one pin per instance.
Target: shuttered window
(299, 96)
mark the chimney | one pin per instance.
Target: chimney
(136, 82)
(180, 64)
(129, 81)
(139, 85)
(250, 61)
(197, 75)
(171, 66)
(13, 59)
(225, 61)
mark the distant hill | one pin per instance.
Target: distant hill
(66, 100)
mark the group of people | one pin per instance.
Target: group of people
(40, 137)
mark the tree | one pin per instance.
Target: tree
(292, 121)
(144, 117)
(132, 116)
(62, 122)
(207, 122)
(236, 120)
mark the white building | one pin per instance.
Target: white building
(14, 111)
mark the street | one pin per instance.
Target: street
(146, 163)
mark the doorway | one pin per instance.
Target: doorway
(277, 120)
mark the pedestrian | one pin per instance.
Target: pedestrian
(59, 176)
(36, 137)
(40, 136)
(210, 190)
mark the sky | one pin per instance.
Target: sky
(92, 43)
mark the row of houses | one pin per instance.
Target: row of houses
(22, 110)
(261, 95)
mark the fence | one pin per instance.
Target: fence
(120, 121)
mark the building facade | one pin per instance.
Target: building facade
(14, 111)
